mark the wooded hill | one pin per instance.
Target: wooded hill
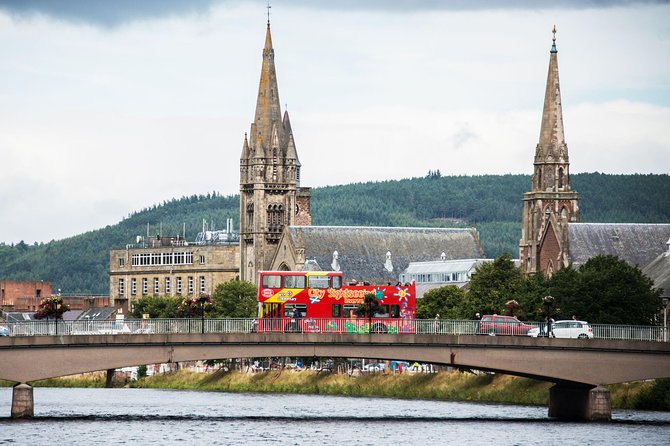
(490, 203)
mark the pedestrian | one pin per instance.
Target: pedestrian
(478, 318)
(436, 325)
(550, 327)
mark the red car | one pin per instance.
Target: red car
(494, 324)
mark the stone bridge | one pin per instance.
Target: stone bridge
(579, 368)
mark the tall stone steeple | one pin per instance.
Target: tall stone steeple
(551, 204)
(270, 194)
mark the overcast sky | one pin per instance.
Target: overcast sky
(110, 107)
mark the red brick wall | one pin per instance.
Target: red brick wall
(13, 291)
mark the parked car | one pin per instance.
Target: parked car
(494, 324)
(570, 329)
(4, 331)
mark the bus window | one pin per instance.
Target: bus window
(294, 281)
(350, 310)
(337, 282)
(272, 281)
(383, 311)
(395, 310)
(319, 282)
(288, 309)
(337, 310)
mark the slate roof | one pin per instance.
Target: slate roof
(362, 251)
(659, 271)
(636, 243)
(97, 314)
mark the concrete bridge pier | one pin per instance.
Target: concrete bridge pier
(23, 404)
(580, 403)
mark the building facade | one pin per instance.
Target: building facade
(270, 194)
(551, 204)
(169, 266)
(23, 295)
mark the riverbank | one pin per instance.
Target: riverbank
(448, 386)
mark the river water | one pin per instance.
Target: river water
(146, 416)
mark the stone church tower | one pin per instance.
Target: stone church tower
(270, 193)
(551, 204)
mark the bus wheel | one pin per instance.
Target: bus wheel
(379, 328)
(291, 327)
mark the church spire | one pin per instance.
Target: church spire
(551, 204)
(268, 109)
(552, 146)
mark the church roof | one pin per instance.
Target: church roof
(380, 254)
(659, 271)
(636, 243)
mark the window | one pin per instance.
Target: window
(322, 282)
(145, 285)
(288, 309)
(202, 284)
(202, 260)
(337, 282)
(156, 287)
(337, 310)
(167, 258)
(178, 285)
(294, 281)
(122, 287)
(350, 310)
(190, 284)
(122, 262)
(272, 281)
(167, 285)
(133, 286)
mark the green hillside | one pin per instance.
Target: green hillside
(491, 203)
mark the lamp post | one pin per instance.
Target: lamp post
(548, 302)
(203, 299)
(665, 319)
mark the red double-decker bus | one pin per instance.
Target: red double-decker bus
(319, 301)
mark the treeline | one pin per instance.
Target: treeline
(491, 203)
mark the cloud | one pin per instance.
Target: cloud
(105, 13)
(118, 12)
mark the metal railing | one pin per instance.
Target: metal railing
(315, 325)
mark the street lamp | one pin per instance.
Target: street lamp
(203, 298)
(548, 302)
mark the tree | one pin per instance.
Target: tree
(369, 307)
(156, 307)
(195, 306)
(493, 284)
(610, 291)
(447, 301)
(235, 299)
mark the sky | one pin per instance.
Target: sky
(110, 107)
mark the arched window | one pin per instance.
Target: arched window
(564, 213)
(560, 178)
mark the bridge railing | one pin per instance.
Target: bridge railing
(308, 325)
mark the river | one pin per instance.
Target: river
(146, 416)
